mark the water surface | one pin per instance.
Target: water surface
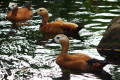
(25, 54)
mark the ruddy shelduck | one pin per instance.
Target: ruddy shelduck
(16, 14)
(58, 26)
(78, 61)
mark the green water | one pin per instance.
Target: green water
(25, 54)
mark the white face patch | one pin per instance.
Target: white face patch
(71, 24)
(58, 38)
(12, 5)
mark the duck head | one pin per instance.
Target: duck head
(12, 6)
(42, 12)
(60, 39)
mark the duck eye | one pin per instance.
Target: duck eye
(40, 10)
(12, 5)
(57, 37)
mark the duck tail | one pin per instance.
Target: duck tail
(101, 62)
(80, 26)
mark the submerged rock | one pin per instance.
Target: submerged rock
(110, 43)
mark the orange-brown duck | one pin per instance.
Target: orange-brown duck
(78, 61)
(19, 14)
(58, 26)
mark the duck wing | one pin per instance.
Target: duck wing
(27, 5)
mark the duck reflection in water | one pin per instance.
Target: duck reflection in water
(102, 75)
(76, 62)
(19, 15)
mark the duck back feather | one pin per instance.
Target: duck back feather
(97, 64)
(60, 27)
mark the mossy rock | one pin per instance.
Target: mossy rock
(111, 39)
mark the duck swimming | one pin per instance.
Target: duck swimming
(58, 26)
(16, 14)
(77, 61)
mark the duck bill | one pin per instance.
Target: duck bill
(53, 41)
(35, 14)
(8, 9)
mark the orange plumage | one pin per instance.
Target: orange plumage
(58, 26)
(19, 14)
(76, 61)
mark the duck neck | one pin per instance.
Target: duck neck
(14, 11)
(45, 20)
(65, 48)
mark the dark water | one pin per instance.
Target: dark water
(24, 54)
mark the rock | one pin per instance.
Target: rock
(110, 43)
